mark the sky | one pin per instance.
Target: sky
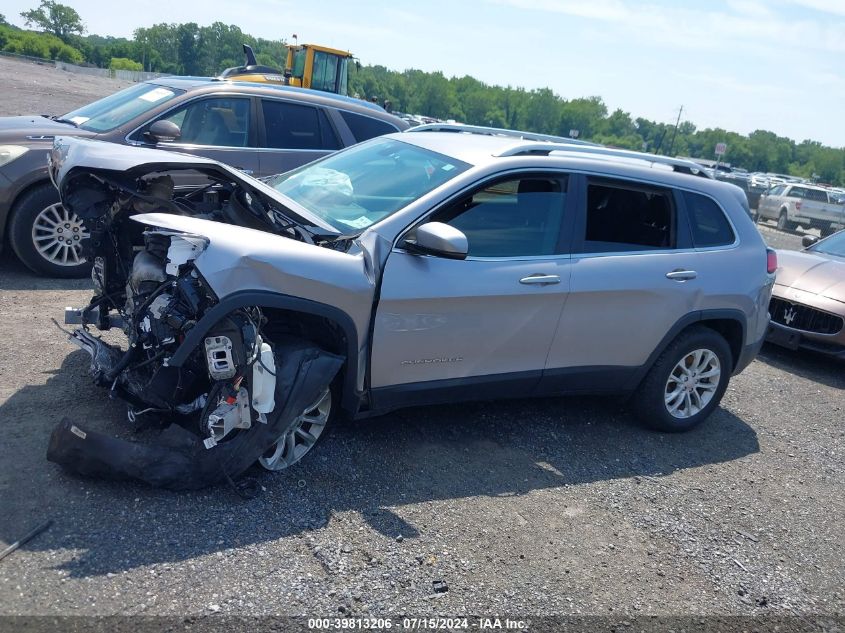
(740, 65)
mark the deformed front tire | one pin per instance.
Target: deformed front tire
(304, 434)
(686, 382)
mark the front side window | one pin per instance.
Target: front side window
(709, 225)
(115, 110)
(777, 191)
(797, 192)
(628, 217)
(294, 126)
(366, 183)
(220, 122)
(514, 218)
(324, 73)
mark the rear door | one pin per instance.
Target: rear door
(449, 328)
(633, 277)
(293, 134)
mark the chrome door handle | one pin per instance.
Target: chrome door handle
(681, 275)
(540, 279)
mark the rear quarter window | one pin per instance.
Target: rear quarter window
(365, 127)
(707, 221)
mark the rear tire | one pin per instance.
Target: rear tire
(45, 237)
(686, 382)
(783, 222)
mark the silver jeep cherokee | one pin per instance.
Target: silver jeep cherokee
(430, 266)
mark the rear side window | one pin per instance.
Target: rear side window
(816, 194)
(709, 225)
(626, 217)
(294, 126)
(365, 127)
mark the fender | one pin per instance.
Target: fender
(351, 398)
(684, 322)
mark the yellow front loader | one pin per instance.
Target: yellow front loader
(307, 66)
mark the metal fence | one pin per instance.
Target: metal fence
(125, 75)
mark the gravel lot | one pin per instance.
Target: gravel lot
(527, 507)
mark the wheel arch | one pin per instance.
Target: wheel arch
(731, 324)
(304, 317)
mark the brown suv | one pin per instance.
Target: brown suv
(258, 128)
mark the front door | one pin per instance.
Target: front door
(220, 128)
(451, 329)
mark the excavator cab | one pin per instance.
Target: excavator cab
(318, 68)
(307, 66)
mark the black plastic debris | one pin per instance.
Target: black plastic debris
(440, 586)
(178, 460)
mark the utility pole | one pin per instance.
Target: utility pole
(674, 132)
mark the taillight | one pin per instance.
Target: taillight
(771, 261)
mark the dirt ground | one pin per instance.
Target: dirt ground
(524, 507)
(41, 89)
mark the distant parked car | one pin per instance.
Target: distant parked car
(808, 302)
(260, 129)
(799, 204)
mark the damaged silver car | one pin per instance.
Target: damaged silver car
(415, 268)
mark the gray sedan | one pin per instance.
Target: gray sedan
(259, 129)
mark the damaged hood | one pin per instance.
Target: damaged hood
(73, 156)
(817, 274)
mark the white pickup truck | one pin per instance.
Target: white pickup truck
(799, 204)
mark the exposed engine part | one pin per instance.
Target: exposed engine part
(146, 267)
(194, 405)
(218, 354)
(98, 275)
(263, 379)
(232, 413)
(183, 249)
(153, 190)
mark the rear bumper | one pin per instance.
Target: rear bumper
(795, 339)
(748, 353)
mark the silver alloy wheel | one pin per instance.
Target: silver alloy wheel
(57, 235)
(692, 383)
(301, 437)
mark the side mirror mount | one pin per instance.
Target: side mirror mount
(441, 240)
(163, 132)
(808, 240)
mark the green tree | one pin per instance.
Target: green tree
(121, 63)
(584, 115)
(58, 19)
